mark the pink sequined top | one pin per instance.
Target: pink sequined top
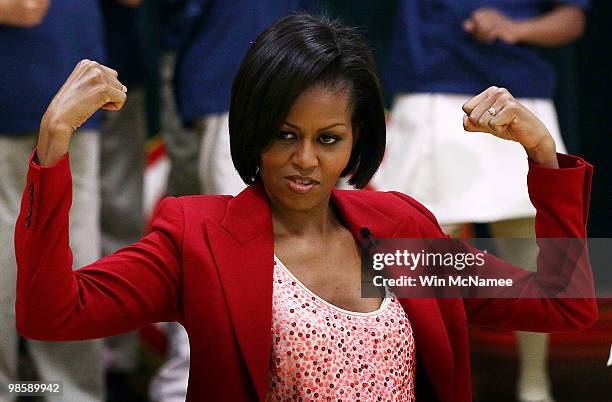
(323, 352)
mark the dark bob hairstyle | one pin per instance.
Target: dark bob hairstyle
(295, 53)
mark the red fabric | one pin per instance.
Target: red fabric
(208, 263)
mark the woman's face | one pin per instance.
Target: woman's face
(303, 163)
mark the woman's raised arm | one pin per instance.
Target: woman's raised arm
(137, 285)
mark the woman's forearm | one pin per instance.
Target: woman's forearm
(53, 142)
(544, 154)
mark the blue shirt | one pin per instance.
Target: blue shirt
(432, 53)
(207, 65)
(35, 62)
(124, 50)
(176, 19)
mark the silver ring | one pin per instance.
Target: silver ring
(492, 110)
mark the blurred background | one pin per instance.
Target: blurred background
(178, 59)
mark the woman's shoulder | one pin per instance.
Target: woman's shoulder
(393, 204)
(195, 207)
(195, 201)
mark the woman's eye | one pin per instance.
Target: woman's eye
(328, 139)
(286, 135)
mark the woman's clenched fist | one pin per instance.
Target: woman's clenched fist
(90, 87)
(497, 112)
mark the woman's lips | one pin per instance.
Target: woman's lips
(300, 185)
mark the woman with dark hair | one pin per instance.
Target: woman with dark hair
(267, 284)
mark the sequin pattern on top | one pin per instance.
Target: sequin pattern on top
(322, 352)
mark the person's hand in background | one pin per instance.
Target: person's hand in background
(487, 25)
(561, 25)
(23, 13)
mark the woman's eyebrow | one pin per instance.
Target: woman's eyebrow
(321, 129)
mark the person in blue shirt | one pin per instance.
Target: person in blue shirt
(442, 53)
(122, 162)
(40, 42)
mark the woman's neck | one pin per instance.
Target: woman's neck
(319, 221)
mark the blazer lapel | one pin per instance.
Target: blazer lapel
(424, 313)
(243, 249)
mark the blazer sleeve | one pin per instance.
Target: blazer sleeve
(561, 198)
(131, 288)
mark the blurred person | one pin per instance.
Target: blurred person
(443, 53)
(306, 109)
(122, 163)
(124, 133)
(40, 41)
(176, 23)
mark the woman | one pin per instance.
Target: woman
(266, 283)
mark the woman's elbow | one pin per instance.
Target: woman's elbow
(34, 328)
(28, 330)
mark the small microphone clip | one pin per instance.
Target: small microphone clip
(370, 242)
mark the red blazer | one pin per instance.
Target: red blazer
(208, 263)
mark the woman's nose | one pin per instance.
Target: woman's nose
(305, 156)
